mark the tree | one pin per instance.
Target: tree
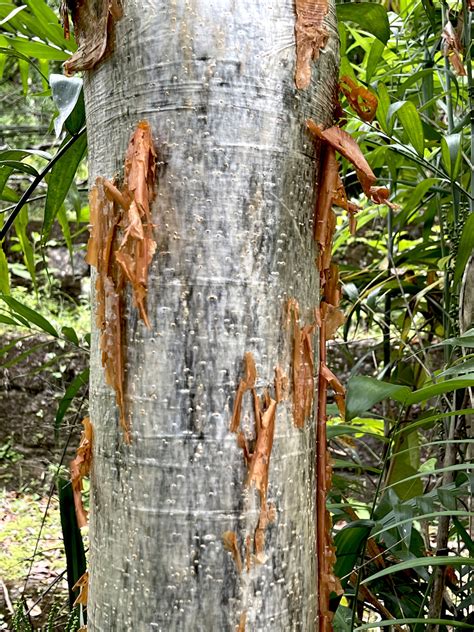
(183, 536)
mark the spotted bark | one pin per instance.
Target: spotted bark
(233, 224)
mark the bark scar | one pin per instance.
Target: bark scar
(121, 248)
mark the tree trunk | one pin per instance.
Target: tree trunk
(233, 225)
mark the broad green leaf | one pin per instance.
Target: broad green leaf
(59, 181)
(12, 14)
(451, 154)
(29, 316)
(349, 542)
(48, 21)
(410, 121)
(4, 273)
(24, 68)
(365, 392)
(373, 59)
(17, 165)
(71, 335)
(465, 340)
(450, 623)
(72, 538)
(78, 382)
(405, 460)
(21, 224)
(433, 390)
(465, 248)
(445, 560)
(369, 16)
(38, 49)
(66, 92)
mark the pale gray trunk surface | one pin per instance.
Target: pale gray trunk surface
(233, 214)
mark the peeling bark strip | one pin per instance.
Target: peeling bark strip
(258, 460)
(230, 543)
(121, 247)
(79, 468)
(303, 366)
(82, 585)
(93, 29)
(343, 142)
(311, 36)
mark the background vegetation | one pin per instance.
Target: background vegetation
(402, 488)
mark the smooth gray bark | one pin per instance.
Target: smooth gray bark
(233, 214)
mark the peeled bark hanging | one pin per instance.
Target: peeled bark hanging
(178, 537)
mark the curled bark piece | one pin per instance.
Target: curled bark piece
(246, 383)
(121, 247)
(326, 191)
(303, 369)
(93, 28)
(242, 622)
(333, 319)
(360, 99)
(230, 543)
(82, 585)
(311, 37)
(258, 460)
(79, 468)
(452, 49)
(281, 385)
(335, 384)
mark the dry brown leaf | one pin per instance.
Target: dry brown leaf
(452, 49)
(93, 25)
(79, 468)
(311, 36)
(230, 543)
(82, 585)
(360, 98)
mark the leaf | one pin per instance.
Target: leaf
(349, 542)
(21, 224)
(450, 623)
(365, 392)
(28, 315)
(4, 273)
(72, 538)
(451, 154)
(60, 179)
(465, 249)
(369, 16)
(78, 382)
(38, 49)
(433, 390)
(17, 165)
(47, 20)
(71, 335)
(410, 121)
(12, 14)
(24, 69)
(465, 340)
(66, 92)
(374, 57)
(445, 560)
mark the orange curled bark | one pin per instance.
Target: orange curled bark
(343, 142)
(258, 460)
(121, 247)
(311, 37)
(93, 27)
(360, 99)
(80, 468)
(82, 585)
(303, 367)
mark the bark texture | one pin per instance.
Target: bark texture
(233, 215)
